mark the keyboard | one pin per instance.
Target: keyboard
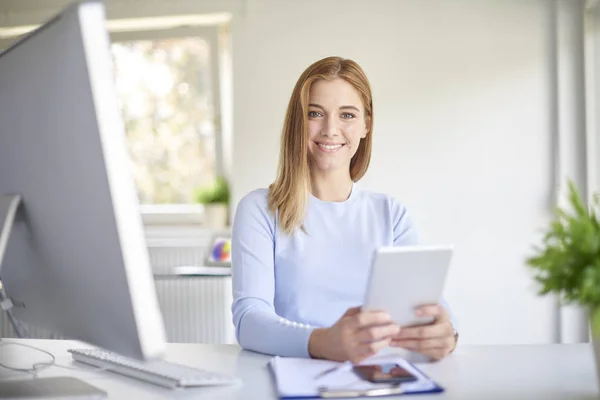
(158, 372)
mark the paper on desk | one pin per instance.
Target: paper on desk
(295, 377)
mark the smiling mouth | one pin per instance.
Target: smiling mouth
(330, 147)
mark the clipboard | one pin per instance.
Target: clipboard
(296, 378)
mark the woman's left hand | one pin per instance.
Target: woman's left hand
(435, 340)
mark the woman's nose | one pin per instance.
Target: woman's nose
(330, 127)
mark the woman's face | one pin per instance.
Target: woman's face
(336, 124)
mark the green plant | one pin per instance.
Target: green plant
(568, 263)
(216, 193)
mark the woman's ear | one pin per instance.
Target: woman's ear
(367, 126)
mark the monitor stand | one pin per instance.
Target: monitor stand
(63, 387)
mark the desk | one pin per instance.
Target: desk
(473, 372)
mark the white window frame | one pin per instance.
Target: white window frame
(190, 214)
(591, 35)
(175, 224)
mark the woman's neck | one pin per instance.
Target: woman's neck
(331, 186)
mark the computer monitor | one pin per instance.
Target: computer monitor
(76, 260)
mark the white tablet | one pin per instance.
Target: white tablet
(405, 277)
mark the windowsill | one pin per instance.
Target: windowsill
(172, 214)
(176, 225)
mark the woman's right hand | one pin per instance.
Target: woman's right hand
(356, 336)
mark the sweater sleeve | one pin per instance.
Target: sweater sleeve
(257, 326)
(406, 235)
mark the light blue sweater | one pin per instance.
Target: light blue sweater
(284, 286)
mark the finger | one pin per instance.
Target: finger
(366, 350)
(376, 333)
(432, 310)
(436, 330)
(351, 311)
(446, 344)
(435, 354)
(369, 318)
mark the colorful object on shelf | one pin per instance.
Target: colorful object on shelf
(221, 250)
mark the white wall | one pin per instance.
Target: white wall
(463, 94)
(462, 130)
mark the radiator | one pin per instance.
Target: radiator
(195, 309)
(6, 330)
(164, 258)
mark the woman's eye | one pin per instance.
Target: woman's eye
(314, 114)
(348, 116)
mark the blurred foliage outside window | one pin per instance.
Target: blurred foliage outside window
(165, 95)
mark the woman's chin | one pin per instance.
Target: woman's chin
(329, 167)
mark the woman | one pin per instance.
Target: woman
(301, 250)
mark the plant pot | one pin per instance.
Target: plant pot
(215, 216)
(595, 332)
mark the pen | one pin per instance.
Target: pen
(338, 367)
(346, 364)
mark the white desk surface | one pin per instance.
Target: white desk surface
(473, 372)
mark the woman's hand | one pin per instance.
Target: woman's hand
(355, 336)
(435, 340)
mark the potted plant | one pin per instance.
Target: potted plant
(568, 262)
(215, 199)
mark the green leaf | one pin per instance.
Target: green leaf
(218, 192)
(568, 261)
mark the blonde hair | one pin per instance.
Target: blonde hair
(288, 195)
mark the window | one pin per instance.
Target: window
(167, 86)
(174, 90)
